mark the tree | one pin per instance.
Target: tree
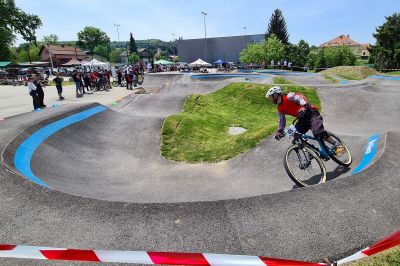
(132, 45)
(14, 20)
(277, 26)
(253, 53)
(271, 49)
(90, 37)
(102, 50)
(133, 58)
(157, 56)
(51, 39)
(7, 38)
(274, 49)
(386, 51)
(27, 52)
(333, 56)
(115, 55)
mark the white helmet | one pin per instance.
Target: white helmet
(273, 90)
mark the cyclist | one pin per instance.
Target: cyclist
(296, 104)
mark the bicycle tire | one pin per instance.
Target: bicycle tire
(314, 156)
(115, 83)
(333, 156)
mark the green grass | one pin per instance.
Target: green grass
(330, 78)
(280, 80)
(351, 72)
(393, 73)
(350, 77)
(200, 132)
(65, 83)
(390, 257)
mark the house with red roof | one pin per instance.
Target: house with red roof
(60, 54)
(359, 49)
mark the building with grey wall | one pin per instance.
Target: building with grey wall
(225, 48)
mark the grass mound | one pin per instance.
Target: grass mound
(351, 72)
(280, 80)
(200, 132)
(389, 257)
(331, 79)
(395, 73)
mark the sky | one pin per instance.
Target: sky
(315, 21)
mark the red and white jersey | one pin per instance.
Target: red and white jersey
(291, 104)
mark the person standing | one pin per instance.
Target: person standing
(119, 76)
(32, 92)
(58, 81)
(39, 90)
(82, 84)
(77, 80)
(86, 81)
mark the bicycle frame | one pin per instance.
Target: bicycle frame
(320, 151)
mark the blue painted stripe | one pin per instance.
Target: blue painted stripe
(385, 77)
(276, 72)
(369, 154)
(24, 153)
(227, 75)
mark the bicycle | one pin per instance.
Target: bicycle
(305, 159)
(123, 83)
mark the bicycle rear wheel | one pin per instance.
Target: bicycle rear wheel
(339, 153)
(304, 166)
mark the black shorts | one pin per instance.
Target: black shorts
(312, 120)
(59, 89)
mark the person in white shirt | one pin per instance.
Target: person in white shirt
(32, 92)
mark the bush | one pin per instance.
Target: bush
(332, 57)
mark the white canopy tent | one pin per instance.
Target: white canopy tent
(95, 63)
(200, 63)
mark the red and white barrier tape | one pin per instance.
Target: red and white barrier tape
(141, 257)
(387, 243)
(174, 258)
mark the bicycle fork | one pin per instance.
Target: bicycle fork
(304, 162)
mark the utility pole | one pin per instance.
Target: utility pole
(117, 25)
(205, 35)
(51, 59)
(173, 43)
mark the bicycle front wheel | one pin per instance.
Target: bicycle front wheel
(339, 153)
(304, 166)
(115, 83)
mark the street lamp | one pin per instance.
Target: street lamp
(117, 25)
(205, 35)
(244, 39)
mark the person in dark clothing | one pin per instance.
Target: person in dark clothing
(86, 80)
(32, 92)
(39, 90)
(119, 75)
(77, 80)
(58, 81)
(130, 80)
(82, 85)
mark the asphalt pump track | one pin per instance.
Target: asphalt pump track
(105, 184)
